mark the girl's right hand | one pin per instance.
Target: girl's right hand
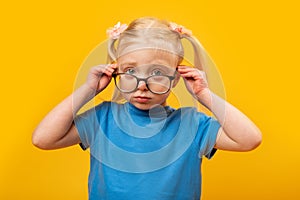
(100, 76)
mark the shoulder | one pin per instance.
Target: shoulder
(104, 104)
(191, 115)
(189, 111)
(107, 105)
(97, 110)
(108, 109)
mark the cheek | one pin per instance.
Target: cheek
(127, 96)
(177, 78)
(162, 98)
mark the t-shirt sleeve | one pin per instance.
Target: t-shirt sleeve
(207, 134)
(87, 125)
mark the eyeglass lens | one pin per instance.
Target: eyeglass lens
(156, 84)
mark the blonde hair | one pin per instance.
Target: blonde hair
(153, 33)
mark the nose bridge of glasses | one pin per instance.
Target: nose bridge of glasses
(141, 82)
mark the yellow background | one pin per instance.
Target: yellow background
(255, 45)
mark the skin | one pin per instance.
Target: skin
(142, 98)
(57, 129)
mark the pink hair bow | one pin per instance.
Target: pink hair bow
(180, 29)
(115, 32)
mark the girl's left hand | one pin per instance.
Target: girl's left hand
(194, 79)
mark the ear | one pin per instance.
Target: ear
(176, 80)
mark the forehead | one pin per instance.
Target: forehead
(149, 56)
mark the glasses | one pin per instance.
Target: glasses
(157, 84)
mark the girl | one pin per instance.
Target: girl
(144, 149)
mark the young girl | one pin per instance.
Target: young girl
(144, 149)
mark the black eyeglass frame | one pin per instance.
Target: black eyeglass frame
(114, 75)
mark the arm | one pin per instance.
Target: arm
(57, 129)
(237, 132)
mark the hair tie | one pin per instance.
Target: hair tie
(180, 29)
(115, 32)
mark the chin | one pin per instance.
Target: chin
(142, 106)
(146, 106)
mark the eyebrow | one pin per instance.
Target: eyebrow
(128, 63)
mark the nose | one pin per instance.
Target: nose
(142, 85)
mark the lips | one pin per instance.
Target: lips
(142, 99)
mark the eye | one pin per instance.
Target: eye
(157, 72)
(129, 71)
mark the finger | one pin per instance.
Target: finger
(105, 66)
(109, 70)
(188, 69)
(104, 69)
(112, 67)
(194, 75)
(99, 68)
(184, 67)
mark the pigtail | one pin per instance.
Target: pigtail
(199, 61)
(203, 62)
(112, 57)
(114, 34)
(199, 58)
(112, 53)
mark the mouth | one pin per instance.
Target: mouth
(142, 99)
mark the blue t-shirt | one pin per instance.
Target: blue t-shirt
(152, 154)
